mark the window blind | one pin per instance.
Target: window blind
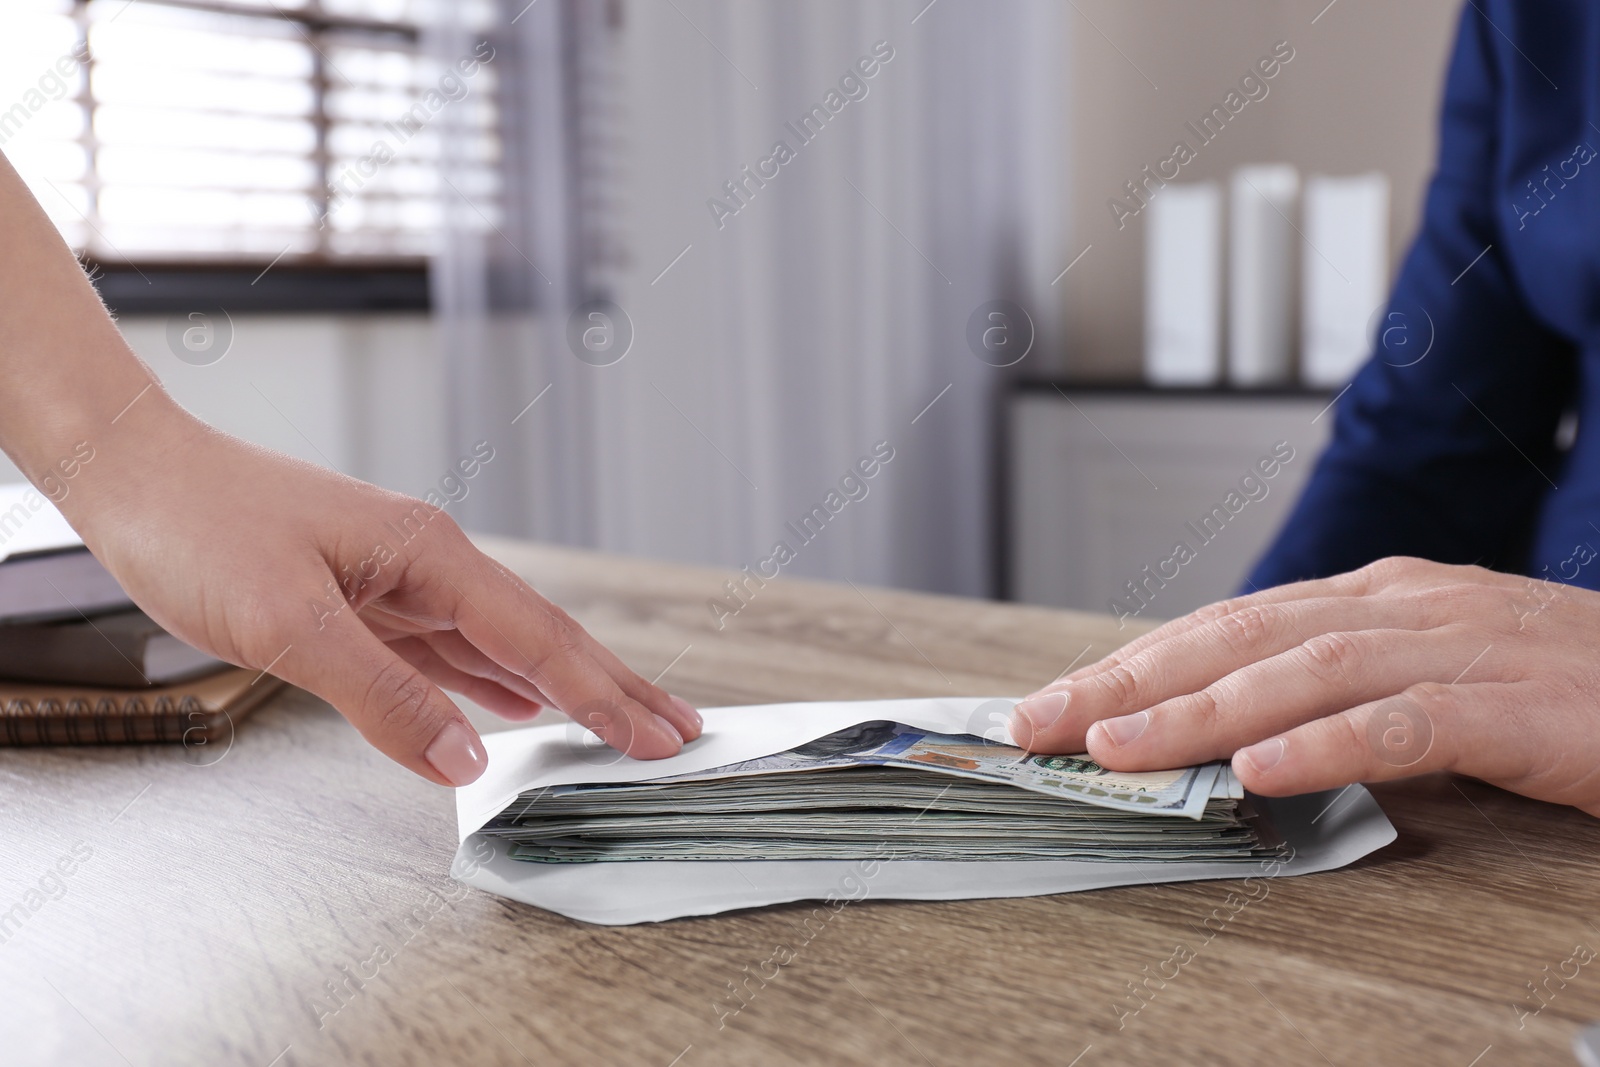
(247, 131)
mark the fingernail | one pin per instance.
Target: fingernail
(457, 753)
(671, 730)
(1036, 715)
(688, 711)
(1125, 729)
(1265, 755)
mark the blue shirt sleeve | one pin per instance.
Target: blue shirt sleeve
(1442, 442)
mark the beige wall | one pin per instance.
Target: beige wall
(359, 393)
(1360, 94)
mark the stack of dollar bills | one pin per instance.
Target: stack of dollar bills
(886, 790)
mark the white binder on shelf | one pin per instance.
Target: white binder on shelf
(1183, 286)
(1262, 261)
(1346, 273)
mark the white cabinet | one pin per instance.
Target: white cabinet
(1151, 503)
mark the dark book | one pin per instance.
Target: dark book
(45, 571)
(126, 650)
(54, 585)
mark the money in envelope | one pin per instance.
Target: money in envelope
(887, 799)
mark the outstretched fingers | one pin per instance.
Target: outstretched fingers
(1427, 727)
(512, 625)
(392, 703)
(1326, 675)
(1219, 653)
(476, 688)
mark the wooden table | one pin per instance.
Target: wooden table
(222, 901)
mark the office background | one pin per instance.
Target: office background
(750, 356)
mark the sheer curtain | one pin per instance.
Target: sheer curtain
(726, 336)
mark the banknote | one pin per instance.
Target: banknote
(891, 791)
(1176, 792)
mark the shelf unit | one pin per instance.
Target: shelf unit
(1107, 479)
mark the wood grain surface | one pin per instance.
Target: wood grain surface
(285, 900)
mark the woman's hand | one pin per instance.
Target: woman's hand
(369, 599)
(1402, 667)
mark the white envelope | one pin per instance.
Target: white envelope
(1324, 830)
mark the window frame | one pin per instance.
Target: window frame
(306, 282)
(338, 286)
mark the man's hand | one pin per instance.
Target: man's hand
(1400, 668)
(369, 599)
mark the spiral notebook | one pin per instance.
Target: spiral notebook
(195, 712)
